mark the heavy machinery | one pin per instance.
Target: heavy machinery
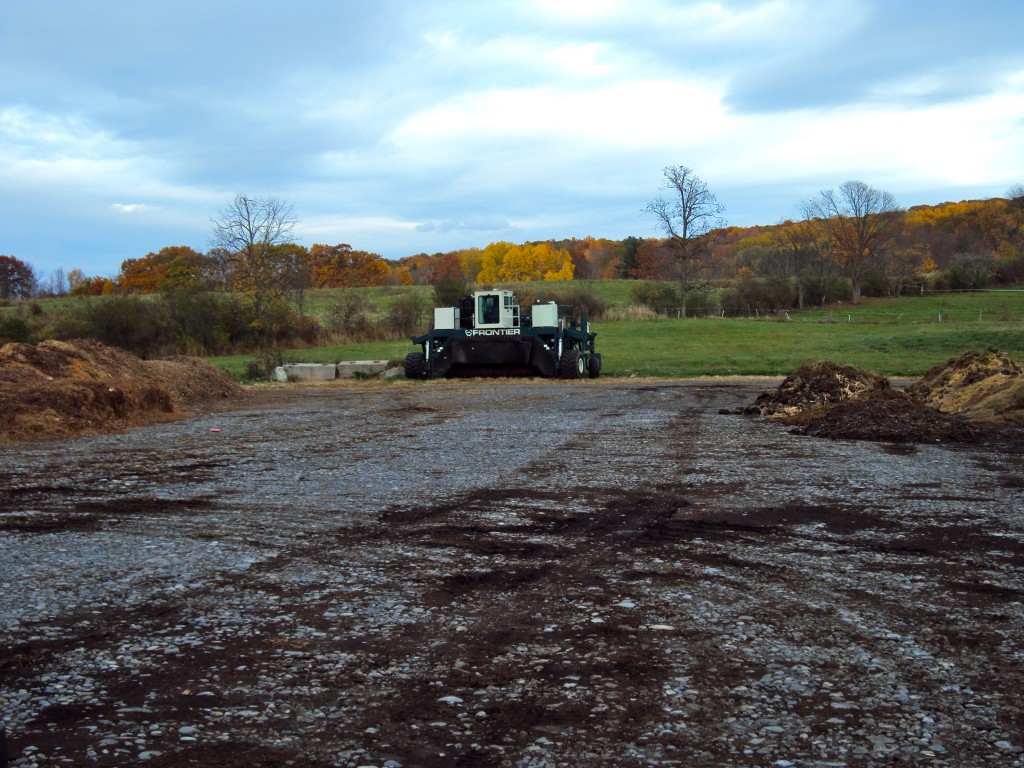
(488, 335)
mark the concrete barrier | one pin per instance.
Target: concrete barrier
(361, 368)
(305, 372)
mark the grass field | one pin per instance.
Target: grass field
(901, 336)
(898, 337)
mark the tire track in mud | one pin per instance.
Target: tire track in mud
(647, 583)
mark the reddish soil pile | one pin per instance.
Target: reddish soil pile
(985, 387)
(59, 389)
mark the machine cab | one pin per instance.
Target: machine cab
(495, 309)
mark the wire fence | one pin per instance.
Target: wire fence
(816, 315)
(989, 305)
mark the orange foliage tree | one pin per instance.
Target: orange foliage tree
(338, 266)
(173, 265)
(446, 266)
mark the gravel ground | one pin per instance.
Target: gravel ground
(528, 574)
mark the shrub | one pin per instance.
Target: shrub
(14, 328)
(750, 295)
(699, 303)
(134, 323)
(577, 297)
(349, 315)
(206, 322)
(405, 317)
(661, 297)
(448, 291)
(264, 364)
(970, 271)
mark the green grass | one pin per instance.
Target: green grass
(995, 305)
(723, 347)
(902, 336)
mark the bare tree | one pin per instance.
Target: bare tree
(54, 285)
(687, 216)
(249, 228)
(858, 222)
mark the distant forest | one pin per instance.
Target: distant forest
(227, 299)
(965, 245)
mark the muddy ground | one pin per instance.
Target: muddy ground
(510, 574)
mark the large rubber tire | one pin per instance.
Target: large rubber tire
(594, 366)
(571, 364)
(414, 365)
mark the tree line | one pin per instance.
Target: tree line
(849, 242)
(250, 288)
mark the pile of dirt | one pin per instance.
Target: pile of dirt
(891, 416)
(65, 388)
(985, 387)
(967, 399)
(813, 388)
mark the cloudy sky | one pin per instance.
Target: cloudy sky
(407, 126)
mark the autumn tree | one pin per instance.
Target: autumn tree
(446, 267)
(249, 228)
(687, 215)
(491, 260)
(93, 286)
(535, 261)
(653, 260)
(803, 258)
(858, 222)
(469, 263)
(339, 266)
(627, 256)
(17, 279)
(170, 267)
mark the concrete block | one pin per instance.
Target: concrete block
(352, 369)
(305, 372)
(394, 373)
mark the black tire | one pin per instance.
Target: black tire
(571, 364)
(594, 366)
(414, 365)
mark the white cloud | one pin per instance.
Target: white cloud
(129, 207)
(658, 111)
(446, 123)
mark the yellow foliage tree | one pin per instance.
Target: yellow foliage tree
(470, 263)
(491, 261)
(563, 271)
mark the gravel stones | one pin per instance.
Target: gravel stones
(632, 579)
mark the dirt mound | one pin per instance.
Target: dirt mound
(190, 380)
(981, 386)
(976, 397)
(891, 416)
(814, 388)
(65, 388)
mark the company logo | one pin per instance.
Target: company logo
(493, 332)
